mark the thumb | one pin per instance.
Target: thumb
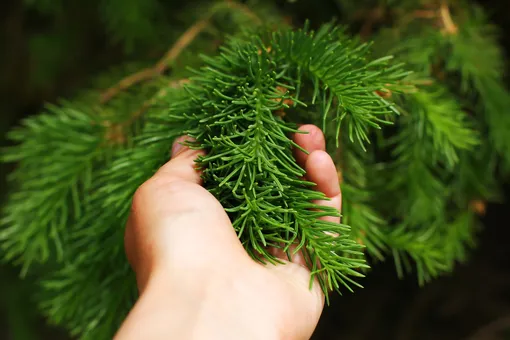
(176, 225)
(182, 166)
(164, 194)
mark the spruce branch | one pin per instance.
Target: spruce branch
(477, 58)
(474, 183)
(55, 168)
(69, 294)
(434, 249)
(358, 195)
(59, 154)
(326, 59)
(433, 132)
(428, 235)
(367, 224)
(446, 124)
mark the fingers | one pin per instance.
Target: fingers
(312, 140)
(156, 198)
(321, 170)
(182, 166)
(319, 166)
(172, 211)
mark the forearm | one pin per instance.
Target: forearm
(166, 311)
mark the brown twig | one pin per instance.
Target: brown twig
(446, 19)
(150, 102)
(115, 132)
(424, 82)
(173, 53)
(181, 43)
(125, 83)
(186, 38)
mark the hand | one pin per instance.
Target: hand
(195, 279)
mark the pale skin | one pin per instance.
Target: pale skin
(195, 279)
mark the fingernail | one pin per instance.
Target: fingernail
(177, 146)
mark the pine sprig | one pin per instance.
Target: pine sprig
(478, 59)
(76, 295)
(433, 250)
(434, 134)
(359, 182)
(367, 224)
(442, 121)
(55, 167)
(343, 77)
(59, 154)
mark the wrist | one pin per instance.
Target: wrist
(226, 306)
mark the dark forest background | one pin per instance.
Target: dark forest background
(472, 303)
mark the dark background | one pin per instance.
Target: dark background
(471, 303)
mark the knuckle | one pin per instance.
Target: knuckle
(141, 194)
(147, 192)
(153, 189)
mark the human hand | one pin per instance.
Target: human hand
(195, 279)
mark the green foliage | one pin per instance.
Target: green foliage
(129, 21)
(59, 170)
(417, 138)
(476, 56)
(438, 120)
(449, 131)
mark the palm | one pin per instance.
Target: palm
(179, 233)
